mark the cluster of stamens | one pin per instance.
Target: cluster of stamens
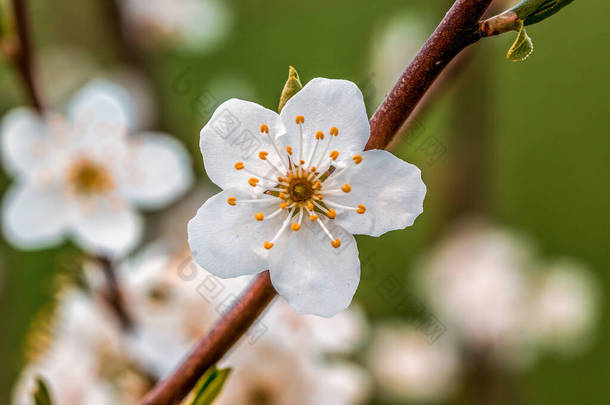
(297, 184)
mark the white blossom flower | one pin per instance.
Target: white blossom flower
(83, 177)
(407, 366)
(296, 186)
(564, 306)
(476, 281)
(84, 362)
(194, 24)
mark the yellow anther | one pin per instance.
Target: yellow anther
(282, 196)
(300, 119)
(318, 184)
(357, 159)
(253, 181)
(336, 243)
(313, 217)
(361, 209)
(283, 205)
(268, 245)
(289, 150)
(334, 131)
(346, 188)
(310, 207)
(264, 129)
(295, 226)
(281, 179)
(319, 197)
(263, 155)
(259, 216)
(313, 169)
(302, 162)
(334, 155)
(332, 214)
(231, 200)
(319, 135)
(239, 165)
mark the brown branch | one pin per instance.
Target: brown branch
(113, 294)
(219, 340)
(459, 28)
(23, 57)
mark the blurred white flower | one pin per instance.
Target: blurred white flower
(564, 309)
(84, 362)
(193, 24)
(407, 366)
(283, 184)
(83, 177)
(476, 282)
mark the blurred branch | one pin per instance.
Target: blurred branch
(459, 28)
(113, 294)
(23, 57)
(225, 333)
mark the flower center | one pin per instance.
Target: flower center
(300, 190)
(305, 186)
(87, 177)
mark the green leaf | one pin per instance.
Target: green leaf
(41, 394)
(522, 47)
(210, 385)
(293, 86)
(534, 11)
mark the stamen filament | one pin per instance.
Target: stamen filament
(284, 225)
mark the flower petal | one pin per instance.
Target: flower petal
(311, 275)
(391, 190)
(233, 135)
(23, 140)
(157, 170)
(35, 216)
(327, 103)
(100, 109)
(227, 240)
(107, 228)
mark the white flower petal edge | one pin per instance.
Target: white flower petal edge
(108, 228)
(314, 277)
(328, 103)
(233, 135)
(22, 132)
(393, 189)
(158, 170)
(227, 241)
(35, 216)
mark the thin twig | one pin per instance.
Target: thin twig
(459, 28)
(24, 58)
(218, 341)
(113, 293)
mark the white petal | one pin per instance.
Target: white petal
(157, 170)
(233, 135)
(391, 190)
(23, 140)
(327, 103)
(311, 275)
(34, 216)
(107, 227)
(101, 109)
(227, 240)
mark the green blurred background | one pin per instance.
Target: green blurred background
(530, 137)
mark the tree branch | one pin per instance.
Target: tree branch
(212, 347)
(113, 293)
(23, 58)
(459, 28)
